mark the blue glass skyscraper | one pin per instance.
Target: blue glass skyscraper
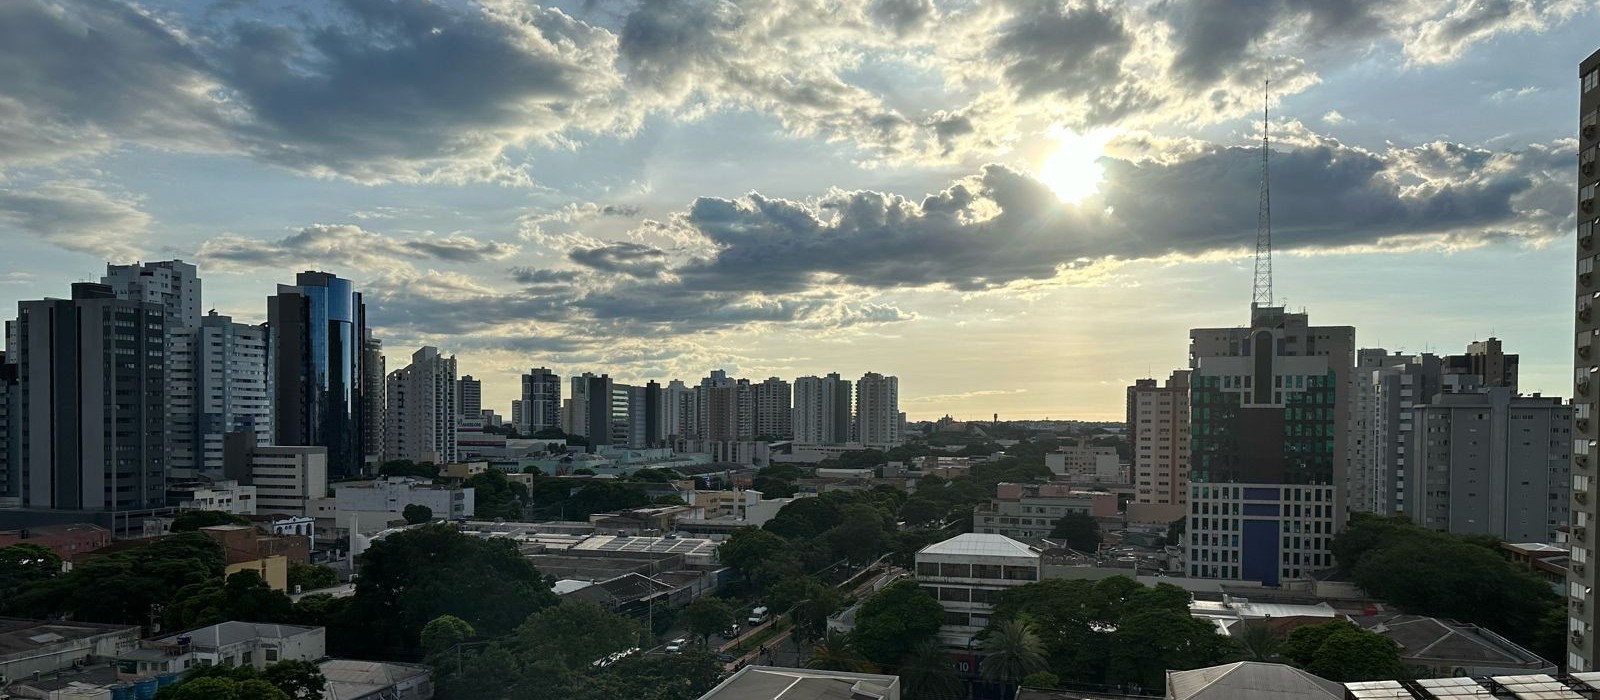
(316, 329)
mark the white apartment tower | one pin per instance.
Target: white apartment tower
(774, 409)
(822, 410)
(422, 416)
(1581, 646)
(1158, 431)
(541, 401)
(878, 411)
(174, 285)
(217, 384)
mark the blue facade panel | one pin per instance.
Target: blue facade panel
(1260, 494)
(1261, 509)
(1259, 559)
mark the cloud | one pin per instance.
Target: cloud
(632, 259)
(1444, 36)
(78, 217)
(346, 244)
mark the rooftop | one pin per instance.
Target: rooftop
(1250, 680)
(19, 636)
(349, 679)
(772, 683)
(980, 544)
(227, 633)
(1432, 639)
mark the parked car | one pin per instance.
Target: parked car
(725, 657)
(732, 632)
(676, 646)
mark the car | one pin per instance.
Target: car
(676, 646)
(732, 631)
(757, 616)
(725, 657)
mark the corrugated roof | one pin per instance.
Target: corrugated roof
(1250, 680)
(973, 543)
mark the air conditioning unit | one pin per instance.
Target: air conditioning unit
(1577, 637)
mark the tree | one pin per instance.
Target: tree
(443, 632)
(549, 434)
(1344, 652)
(120, 587)
(300, 680)
(670, 499)
(1150, 642)
(929, 674)
(1079, 530)
(1012, 650)
(553, 655)
(242, 596)
(862, 535)
(1258, 642)
(1041, 679)
(417, 514)
(25, 564)
(747, 548)
(311, 577)
(495, 496)
(920, 510)
(836, 652)
(411, 577)
(405, 467)
(809, 603)
(708, 616)
(191, 520)
(894, 620)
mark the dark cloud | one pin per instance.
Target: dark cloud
(1073, 52)
(78, 217)
(632, 259)
(459, 248)
(1214, 36)
(347, 244)
(902, 17)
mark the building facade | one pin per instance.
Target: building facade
(316, 357)
(967, 575)
(1581, 646)
(91, 413)
(469, 397)
(878, 411)
(1030, 511)
(822, 410)
(1085, 463)
(1492, 463)
(421, 422)
(287, 479)
(174, 285)
(393, 494)
(1269, 420)
(1158, 433)
(774, 409)
(375, 401)
(217, 384)
(541, 401)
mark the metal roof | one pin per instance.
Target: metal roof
(978, 544)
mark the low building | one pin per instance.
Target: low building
(251, 644)
(1085, 463)
(1450, 648)
(1252, 680)
(393, 494)
(67, 541)
(348, 679)
(463, 470)
(747, 452)
(967, 574)
(1030, 511)
(286, 478)
(227, 495)
(244, 548)
(45, 646)
(1229, 612)
(1547, 561)
(773, 683)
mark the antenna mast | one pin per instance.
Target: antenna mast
(1262, 295)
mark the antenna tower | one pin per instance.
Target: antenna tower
(1262, 294)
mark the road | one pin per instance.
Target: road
(779, 653)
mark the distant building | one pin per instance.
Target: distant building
(822, 410)
(217, 384)
(174, 285)
(967, 575)
(1158, 433)
(878, 411)
(1085, 463)
(774, 409)
(286, 478)
(1581, 582)
(318, 348)
(375, 401)
(541, 401)
(67, 541)
(235, 644)
(45, 646)
(1030, 511)
(349, 679)
(224, 495)
(392, 494)
(469, 397)
(773, 683)
(1448, 648)
(1253, 679)
(420, 425)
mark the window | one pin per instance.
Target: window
(271, 654)
(927, 569)
(1591, 80)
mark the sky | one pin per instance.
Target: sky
(1017, 207)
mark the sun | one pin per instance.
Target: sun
(1073, 169)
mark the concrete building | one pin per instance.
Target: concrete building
(235, 644)
(1158, 433)
(224, 495)
(878, 418)
(822, 410)
(967, 574)
(67, 541)
(1082, 462)
(420, 424)
(678, 410)
(774, 407)
(392, 494)
(725, 408)
(317, 346)
(469, 397)
(1030, 511)
(1269, 420)
(1385, 389)
(1449, 648)
(44, 646)
(286, 479)
(375, 404)
(91, 411)
(349, 679)
(217, 384)
(1492, 463)
(174, 285)
(541, 401)
(773, 683)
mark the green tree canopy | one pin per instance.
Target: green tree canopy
(495, 496)
(837, 652)
(406, 467)
(445, 631)
(707, 616)
(23, 565)
(552, 655)
(1080, 531)
(417, 514)
(749, 547)
(1342, 651)
(120, 587)
(241, 597)
(310, 577)
(928, 673)
(300, 680)
(894, 620)
(1011, 652)
(191, 520)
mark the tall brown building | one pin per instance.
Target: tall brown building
(1586, 380)
(1158, 433)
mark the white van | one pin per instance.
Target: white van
(758, 616)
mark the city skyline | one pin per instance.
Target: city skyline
(533, 224)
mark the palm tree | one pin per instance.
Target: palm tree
(1012, 651)
(928, 674)
(1257, 642)
(835, 653)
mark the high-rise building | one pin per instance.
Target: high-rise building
(316, 342)
(678, 410)
(420, 424)
(10, 463)
(774, 409)
(541, 401)
(878, 411)
(822, 410)
(1485, 360)
(469, 397)
(91, 415)
(375, 402)
(1158, 432)
(1581, 644)
(174, 285)
(1492, 462)
(1268, 408)
(217, 384)
(575, 409)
